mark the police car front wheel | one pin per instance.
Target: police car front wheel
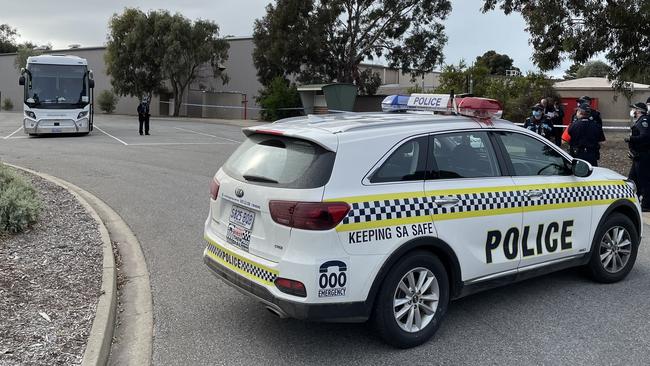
(615, 250)
(412, 300)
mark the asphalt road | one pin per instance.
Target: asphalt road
(159, 185)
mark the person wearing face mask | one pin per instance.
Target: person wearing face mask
(538, 122)
(639, 143)
(586, 135)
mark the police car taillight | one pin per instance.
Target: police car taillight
(214, 189)
(308, 215)
(291, 287)
(482, 108)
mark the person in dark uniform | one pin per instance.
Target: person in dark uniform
(538, 122)
(594, 115)
(558, 122)
(639, 143)
(585, 136)
(143, 116)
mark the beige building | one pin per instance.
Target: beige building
(394, 81)
(613, 105)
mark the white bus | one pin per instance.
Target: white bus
(58, 95)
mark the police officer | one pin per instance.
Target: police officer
(639, 143)
(585, 136)
(143, 115)
(538, 122)
(594, 115)
(558, 121)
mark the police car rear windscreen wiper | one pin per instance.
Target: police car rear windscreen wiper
(257, 178)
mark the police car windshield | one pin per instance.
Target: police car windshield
(280, 161)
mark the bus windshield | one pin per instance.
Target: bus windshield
(57, 86)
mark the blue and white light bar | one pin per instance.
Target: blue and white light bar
(417, 102)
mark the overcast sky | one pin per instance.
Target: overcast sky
(65, 22)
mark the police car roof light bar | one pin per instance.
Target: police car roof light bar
(481, 108)
(417, 102)
(469, 106)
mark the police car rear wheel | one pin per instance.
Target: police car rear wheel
(615, 252)
(412, 300)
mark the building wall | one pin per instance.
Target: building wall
(9, 87)
(239, 68)
(614, 107)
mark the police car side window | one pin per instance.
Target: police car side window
(531, 157)
(406, 163)
(463, 155)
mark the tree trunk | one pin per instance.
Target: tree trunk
(178, 100)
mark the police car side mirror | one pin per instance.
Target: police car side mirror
(91, 83)
(581, 168)
(21, 80)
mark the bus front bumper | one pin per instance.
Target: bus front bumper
(54, 126)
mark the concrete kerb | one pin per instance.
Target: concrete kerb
(134, 337)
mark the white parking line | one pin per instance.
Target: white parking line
(207, 134)
(109, 135)
(13, 133)
(179, 143)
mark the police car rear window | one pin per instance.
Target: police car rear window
(280, 161)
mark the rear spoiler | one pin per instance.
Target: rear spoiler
(326, 140)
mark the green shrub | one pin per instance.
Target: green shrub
(279, 94)
(107, 101)
(19, 203)
(7, 104)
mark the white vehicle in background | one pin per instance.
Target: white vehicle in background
(58, 95)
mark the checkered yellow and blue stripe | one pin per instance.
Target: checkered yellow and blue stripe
(245, 267)
(384, 210)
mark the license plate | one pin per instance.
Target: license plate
(55, 130)
(242, 217)
(238, 236)
(239, 227)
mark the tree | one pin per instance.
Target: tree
(369, 82)
(593, 69)
(462, 79)
(8, 39)
(517, 94)
(24, 51)
(326, 40)
(134, 54)
(107, 100)
(580, 30)
(144, 50)
(497, 63)
(188, 46)
(279, 100)
(572, 71)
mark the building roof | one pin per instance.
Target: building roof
(591, 83)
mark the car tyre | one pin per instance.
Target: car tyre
(403, 309)
(615, 248)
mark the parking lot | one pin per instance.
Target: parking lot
(159, 185)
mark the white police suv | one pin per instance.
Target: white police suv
(389, 216)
